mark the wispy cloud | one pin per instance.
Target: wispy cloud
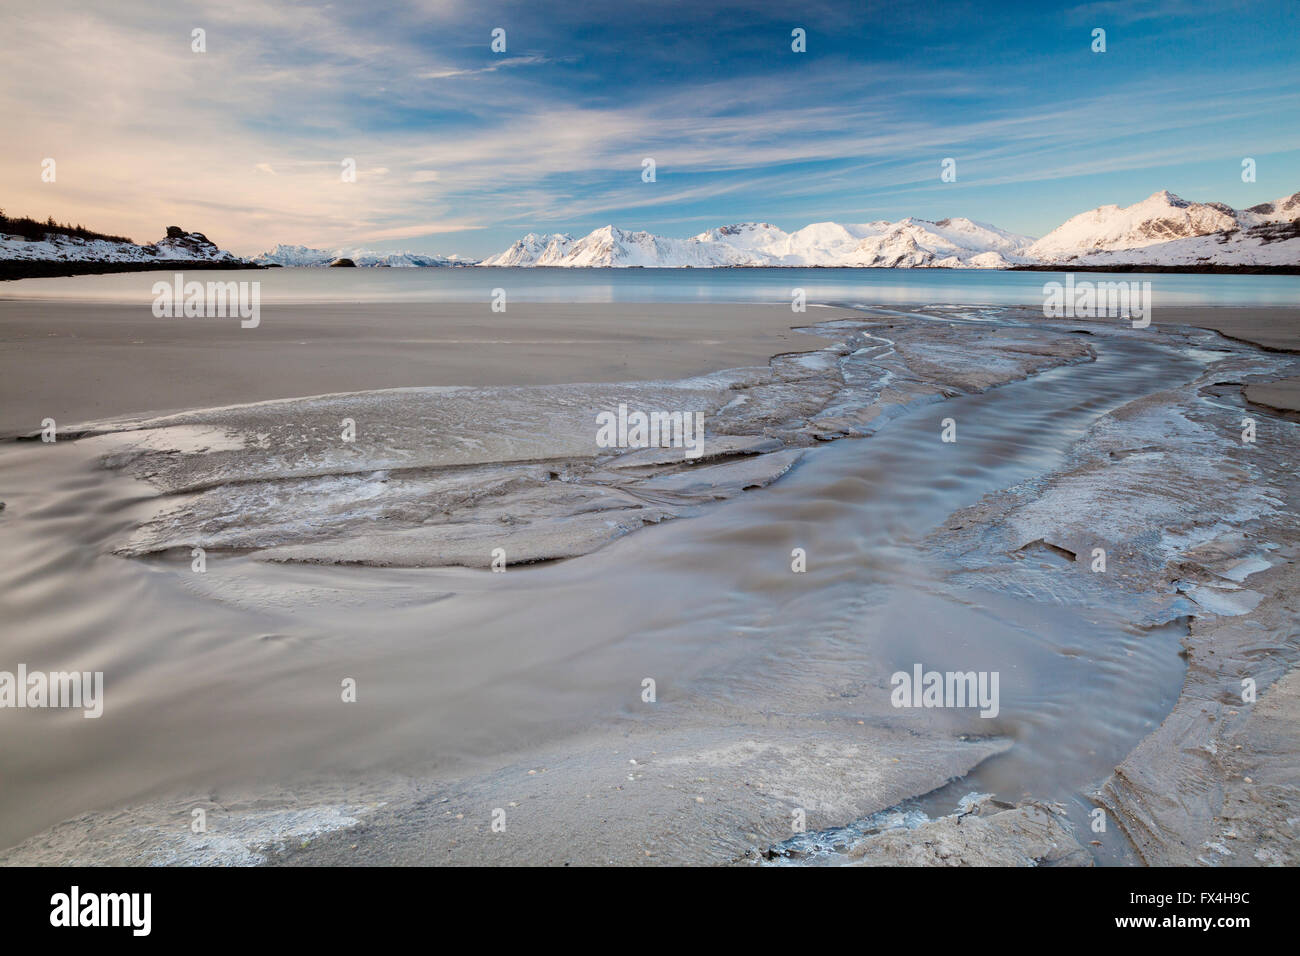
(500, 65)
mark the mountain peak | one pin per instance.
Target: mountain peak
(1167, 198)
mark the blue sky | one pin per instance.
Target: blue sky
(461, 149)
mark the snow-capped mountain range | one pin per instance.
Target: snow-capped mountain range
(1162, 229)
(909, 243)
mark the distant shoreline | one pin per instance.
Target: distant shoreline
(45, 268)
(1291, 270)
(1287, 270)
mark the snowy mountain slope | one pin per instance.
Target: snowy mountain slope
(178, 245)
(1270, 243)
(304, 256)
(819, 243)
(1286, 209)
(761, 240)
(613, 247)
(532, 250)
(1158, 221)
(949, 243)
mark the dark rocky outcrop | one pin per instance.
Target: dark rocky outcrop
(191, 245)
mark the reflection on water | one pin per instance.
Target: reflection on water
(848, 286)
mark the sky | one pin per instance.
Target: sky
(460, 149)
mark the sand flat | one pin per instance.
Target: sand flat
(1274, 328)
(1282, 394)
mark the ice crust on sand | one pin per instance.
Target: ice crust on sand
(443, 476)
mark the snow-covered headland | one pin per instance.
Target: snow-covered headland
(62, 251)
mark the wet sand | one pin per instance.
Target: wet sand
(1270, 328)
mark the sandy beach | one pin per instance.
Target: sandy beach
(79, 362)
(530, 698)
